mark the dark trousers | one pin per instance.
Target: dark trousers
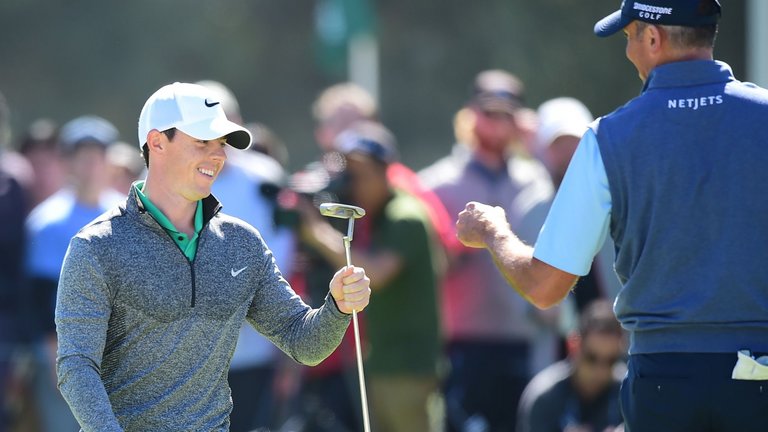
(252, 398)
(691, 392)
(484, 385)
(330, 403)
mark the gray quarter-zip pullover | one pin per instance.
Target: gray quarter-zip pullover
(146, 336)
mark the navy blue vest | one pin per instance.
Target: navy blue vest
(687, 164)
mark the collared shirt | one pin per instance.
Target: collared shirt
(678, 176)
(577, 223)
(187, 244)
(164, 333)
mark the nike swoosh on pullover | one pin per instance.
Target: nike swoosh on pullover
(146, 336)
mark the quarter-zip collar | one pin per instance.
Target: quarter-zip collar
(187, 244)
(207, 209)
(210, 207)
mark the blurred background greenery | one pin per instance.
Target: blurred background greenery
(64, 58)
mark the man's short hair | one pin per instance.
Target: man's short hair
(170, 133)
(687, 37)
(342, 96)
(598, 317)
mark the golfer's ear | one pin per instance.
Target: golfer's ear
(653, 36)
(155, 141)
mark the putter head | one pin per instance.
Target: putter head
(341, 211)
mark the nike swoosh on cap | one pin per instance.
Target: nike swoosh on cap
(210, 104)
(235, 273)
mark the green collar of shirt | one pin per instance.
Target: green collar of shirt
(187, 244)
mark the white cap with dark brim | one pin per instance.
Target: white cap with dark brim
(192, 109)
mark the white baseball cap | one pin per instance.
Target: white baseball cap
(192, 109)
(563, 116)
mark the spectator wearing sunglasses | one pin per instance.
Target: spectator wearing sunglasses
(580, 393)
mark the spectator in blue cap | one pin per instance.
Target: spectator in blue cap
(676, 177)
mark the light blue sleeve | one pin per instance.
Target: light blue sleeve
(577, 223)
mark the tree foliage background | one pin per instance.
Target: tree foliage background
(64, 58)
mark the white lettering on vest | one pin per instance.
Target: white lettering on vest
(695, 103)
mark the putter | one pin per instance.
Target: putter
(349, 212)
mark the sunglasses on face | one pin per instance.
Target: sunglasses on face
(594, 359)
(497, 115)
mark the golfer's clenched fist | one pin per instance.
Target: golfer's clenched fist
(479, 222)
(351, 289)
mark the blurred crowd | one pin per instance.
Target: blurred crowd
(448, 344)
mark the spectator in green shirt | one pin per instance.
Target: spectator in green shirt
(396, 244)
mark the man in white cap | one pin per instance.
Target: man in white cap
(562, 122)
(153, 292)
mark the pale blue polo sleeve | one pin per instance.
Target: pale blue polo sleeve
(577, 223)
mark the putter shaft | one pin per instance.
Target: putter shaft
(358, 350)
(351, 213)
